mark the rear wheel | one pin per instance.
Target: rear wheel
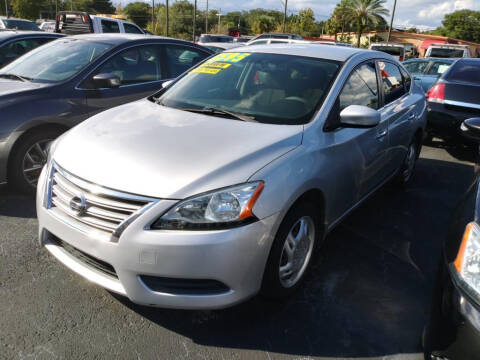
(292, 251)
(406, 171)
(28, 159)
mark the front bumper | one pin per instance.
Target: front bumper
(453, 332)
(234, 257)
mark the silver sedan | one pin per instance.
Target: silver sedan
(225, 183)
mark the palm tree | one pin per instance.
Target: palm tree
(366, 12)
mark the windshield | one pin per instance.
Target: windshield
(20, 25)
(214, 48)
(416, 67)
(446, 53)
(269, 88)
(392, 50)
(56, 61)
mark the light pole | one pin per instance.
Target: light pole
(153, 16)
(391, 21)
(6, 8)
(206, 20)
(166, 4)
(285, 15)
(219, 16)
(194, 18)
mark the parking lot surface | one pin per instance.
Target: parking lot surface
(367, 296)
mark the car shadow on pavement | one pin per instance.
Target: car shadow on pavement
(457, 148)
(15, 204)
(369, 291)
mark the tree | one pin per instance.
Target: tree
(27, 9)
(365, 13)
(138, 12)
(263, 24)
(92, 6)
(462, 24)
(306, 24)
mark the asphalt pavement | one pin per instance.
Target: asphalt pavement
(367, 296)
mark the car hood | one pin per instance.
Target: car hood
(147, 149)
(15, 87)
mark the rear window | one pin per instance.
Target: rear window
(215, 38)
(446, 53)
(438, 68)
(20, 25)
(392, 50)
(466, 71)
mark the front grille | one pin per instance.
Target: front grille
(86, 259)
(92, 206)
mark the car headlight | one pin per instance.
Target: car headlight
(219, 209)
(467, 262)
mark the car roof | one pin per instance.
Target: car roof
(337, 53)
(223, 45)
(431, 59)
(120, 38)
(13, 33)
(13, 18)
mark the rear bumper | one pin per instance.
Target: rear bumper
(445, 120)
(453, 332)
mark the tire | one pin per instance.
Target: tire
(275, 286)
(405, 172)
(26, 182)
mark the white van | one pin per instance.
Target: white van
(77, 22)
(448, 51)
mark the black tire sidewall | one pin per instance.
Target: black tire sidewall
(15, 164)
(271, 286)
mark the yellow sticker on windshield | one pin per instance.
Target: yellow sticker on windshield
(232, 57)
(205, 70)
(219, 65)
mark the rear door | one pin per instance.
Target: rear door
(397, 110)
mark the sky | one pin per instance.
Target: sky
(425, 14)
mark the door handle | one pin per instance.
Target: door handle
(382, 134)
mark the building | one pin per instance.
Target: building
(419, 40)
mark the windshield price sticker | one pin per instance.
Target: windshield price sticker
(219, 62)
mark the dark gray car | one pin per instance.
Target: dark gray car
(58, 85)
(14, 44)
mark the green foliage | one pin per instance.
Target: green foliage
(263, 24)
(366, 13)
(27, 9)
(91, 6)
(139, 12)
(462, 24)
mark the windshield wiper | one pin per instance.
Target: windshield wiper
(216, 111)
(15, 77)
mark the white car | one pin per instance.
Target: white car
(221, 46)
(77, 22)
(448, 51)
(277, 41)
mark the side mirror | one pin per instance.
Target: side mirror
(106, 81)
(166, 83)
(470, 129)
(359, 116)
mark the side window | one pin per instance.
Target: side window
(260, 42)
(180, 58)
(109, 26)
(392, 81)
(131, 29)
(416, 67)
(135, 65)
(361, 88)
(438, 68)
(407, 80)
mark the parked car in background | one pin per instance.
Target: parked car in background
(11, 23)
(277, 36)
(454, 98)
(48, 26)
(221, 46)
(226, 182)
(58, 85)
(453, 328)
(77, 22)
(337, 43)
(214, 38)
(396, 50)
(242, 39)
(277, 41)
(427, 70)
(448, 51)
(14, 44)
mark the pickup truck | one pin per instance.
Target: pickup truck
(77, 22)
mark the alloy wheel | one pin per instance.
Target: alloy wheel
(34, 160)
(297, 251)
(410, 162)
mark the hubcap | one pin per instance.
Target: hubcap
(409, 162)
(34, 160)
(296, 251)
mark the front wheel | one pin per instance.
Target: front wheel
(292, 251)
(28, 159)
